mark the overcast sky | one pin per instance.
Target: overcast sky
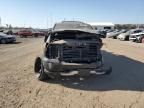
(44, 13)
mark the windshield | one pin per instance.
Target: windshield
(73, 35)
(72, 25)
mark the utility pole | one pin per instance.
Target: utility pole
(0, 21)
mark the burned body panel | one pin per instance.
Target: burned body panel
(69, 50)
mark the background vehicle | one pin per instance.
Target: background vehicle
(101, 33)
(71, 46)
(30, 32)
(1, 30)
(7, 38)
(25, 33)
(125, 36)
(114, 34)
(37, 33)
(137, 37)
(15, 31)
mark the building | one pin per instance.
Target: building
(102, 26)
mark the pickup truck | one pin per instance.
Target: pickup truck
(71, 46)
(28, 33)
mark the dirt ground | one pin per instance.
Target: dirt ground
(124, 88)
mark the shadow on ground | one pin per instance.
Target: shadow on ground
(127, 74)
(17, 42)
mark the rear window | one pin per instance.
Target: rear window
(72, 25)
(73, 35)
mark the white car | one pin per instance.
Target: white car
(115, 33)
(125, 36)
(136, 37)
(4, 38)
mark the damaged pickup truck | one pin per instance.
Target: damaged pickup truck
(71, 47)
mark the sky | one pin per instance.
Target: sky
(44, 13)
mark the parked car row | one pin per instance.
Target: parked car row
(24, 32)
(135, 35)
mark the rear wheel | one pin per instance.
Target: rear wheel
(21, 36)
(114, 37)
(39, 70)
(127, 38)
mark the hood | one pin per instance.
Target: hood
(7, 36)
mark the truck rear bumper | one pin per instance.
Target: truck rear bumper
(56, 66)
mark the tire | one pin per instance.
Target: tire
(35, 35)
(21, 36)
(142, 40)
(39, 70)
(114, 37)
(126, 38)
(3, 41)
(137, 41)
